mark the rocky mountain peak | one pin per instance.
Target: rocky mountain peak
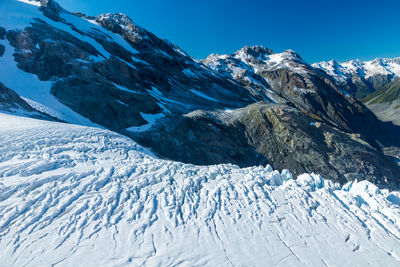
(44, 3)
(119, 19)
(256, 51)
(361, 78)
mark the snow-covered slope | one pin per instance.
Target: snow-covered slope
(95, 70)
(74, 196)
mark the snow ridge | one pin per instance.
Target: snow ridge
(365, 69)
(75, 195)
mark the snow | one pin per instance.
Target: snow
(123, 88)
(198, 93)
(345, 70)
(189, 72)
(154, 92)
(242, 65)
(34, 91)
(274, 61)
(31, 2)
(151, 120)
(73, 196)
(122, 103)
(15, 14)
(18, 15)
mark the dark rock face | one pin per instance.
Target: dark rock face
(9, 100)
(359, 86)
(12, 103)
(271, 133)
(2, 33)
(91, 87)
(120, 74)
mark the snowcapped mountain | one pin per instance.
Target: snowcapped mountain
(362, 77)
(74, 195)
(106, 71)
(286, 78)
(92, 181)
(76, 61)
(376, 82)
(246, 64)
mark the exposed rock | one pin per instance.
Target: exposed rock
(385, 102)
(286, 78)
(86, 85)
(2, 33)
(270, 133)
(10, 100)
(203, 115)
(44, 3)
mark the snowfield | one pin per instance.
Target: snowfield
(79, 196)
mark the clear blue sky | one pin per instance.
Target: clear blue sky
(317, 30)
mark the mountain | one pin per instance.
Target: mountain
(361, 78)
(73, 196)
(375, 82)
(385, 102)
(254, 107)
(286, 79)
(295, 82)
(108, 57)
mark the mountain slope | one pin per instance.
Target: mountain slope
(106, 71)
(286, 79)
(385, 102)
(12, 103)
(73, 195)
(297, 84)
(108, 76)
(275, 134)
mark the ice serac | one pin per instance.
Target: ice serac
(73, 196)
(107, 71)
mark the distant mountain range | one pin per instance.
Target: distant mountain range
(361, 78)
(376, 82)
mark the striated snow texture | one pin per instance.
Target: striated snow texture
(79, 196)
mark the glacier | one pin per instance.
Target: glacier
(81, 196)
